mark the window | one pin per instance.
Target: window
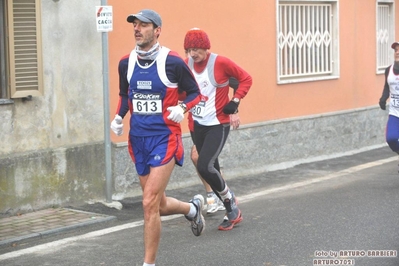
(20, 49)
(307, 41)
(385, 34)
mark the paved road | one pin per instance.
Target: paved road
(298, 216)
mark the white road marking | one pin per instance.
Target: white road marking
(69, 240)
(246, 198)
(316, 180)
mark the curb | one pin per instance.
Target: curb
(55, 230)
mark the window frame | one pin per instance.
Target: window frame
(380, 69)
(335, 71)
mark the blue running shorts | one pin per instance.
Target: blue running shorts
(153, 151)
(392, 133)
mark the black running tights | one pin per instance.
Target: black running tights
(209, 141)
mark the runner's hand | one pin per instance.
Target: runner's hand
(231, 108)
(117, 126)
(176, 113)
(383, 104)
(235, 121)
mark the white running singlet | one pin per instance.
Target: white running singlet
(205, 111)
(393, 81)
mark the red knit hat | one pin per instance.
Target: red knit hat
(196, 38)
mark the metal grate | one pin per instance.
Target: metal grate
(304, 40)
(384, 36)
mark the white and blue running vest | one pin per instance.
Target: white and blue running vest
(393, 81)
(148, 86)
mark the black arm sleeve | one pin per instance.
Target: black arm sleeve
(385, 91)
(123, 106)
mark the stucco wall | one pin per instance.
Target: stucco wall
(70, 111)
(245, 32)
(67, 116)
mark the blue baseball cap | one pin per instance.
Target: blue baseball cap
(146, 15)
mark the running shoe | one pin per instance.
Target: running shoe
(198, 222)
(214, 204)
(233, 214)
(227, 224)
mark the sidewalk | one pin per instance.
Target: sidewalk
(45, 222)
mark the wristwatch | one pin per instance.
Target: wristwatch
(184, 107)
(236, 100)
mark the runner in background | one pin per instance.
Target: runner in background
(212, 115)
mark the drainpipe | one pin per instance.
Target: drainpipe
(107, 138)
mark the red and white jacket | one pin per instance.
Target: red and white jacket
(212, 76)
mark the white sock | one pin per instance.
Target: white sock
(225, 194)
(193, 211)
(148, 264)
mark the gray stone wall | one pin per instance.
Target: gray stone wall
(46, 178)
(271, 145)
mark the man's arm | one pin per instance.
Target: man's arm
(188, 86)
(385, 91)
(123, 104)
(225, 68)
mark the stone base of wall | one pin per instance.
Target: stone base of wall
(77, 174)
(49, 178)
(272, 145)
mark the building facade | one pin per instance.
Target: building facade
(317, 69)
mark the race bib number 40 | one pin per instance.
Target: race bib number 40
(147, 104)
